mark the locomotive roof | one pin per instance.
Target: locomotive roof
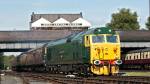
(64, 40)
(79, 35)
(104, 30)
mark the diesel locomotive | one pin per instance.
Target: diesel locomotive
(95, 51)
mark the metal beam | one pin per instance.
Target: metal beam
(135, 44)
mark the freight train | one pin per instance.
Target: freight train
(95, 51)
(136, 59)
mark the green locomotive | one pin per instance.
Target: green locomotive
(76, 53)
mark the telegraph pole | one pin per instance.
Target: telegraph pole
(149, 8)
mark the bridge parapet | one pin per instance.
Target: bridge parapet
(135, 44)
(21, 45)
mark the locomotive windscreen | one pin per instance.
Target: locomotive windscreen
(112, 39)
(98, 39)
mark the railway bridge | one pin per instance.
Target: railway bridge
(134, 39)
(21, 41)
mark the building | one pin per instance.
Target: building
(73, 22)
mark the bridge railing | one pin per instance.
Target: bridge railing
(20, 45)
(135, 44)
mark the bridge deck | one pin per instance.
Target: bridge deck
(14, 36)
(135, 36)
(32, 39)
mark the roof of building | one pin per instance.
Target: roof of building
(54, 17)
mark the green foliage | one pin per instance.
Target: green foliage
(148, 23)
(124, 20)
(6, 61)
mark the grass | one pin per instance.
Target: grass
(137, 73)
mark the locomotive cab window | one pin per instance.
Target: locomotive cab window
(111, 39)
(87, 40)
(98, 39)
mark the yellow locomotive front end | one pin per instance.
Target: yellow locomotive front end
(104, 52)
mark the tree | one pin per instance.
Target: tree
(124, 20)
(6, 61)
(148, 23)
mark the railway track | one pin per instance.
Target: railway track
(62, 79)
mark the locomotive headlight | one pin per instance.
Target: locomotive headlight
(109, 30)
(97, 62)
(118, 62)
(99, 30)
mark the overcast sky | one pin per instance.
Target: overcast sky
(15, 14)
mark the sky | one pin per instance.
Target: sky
(15, 14)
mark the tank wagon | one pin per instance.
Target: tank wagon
(95, 51)
(137, 59)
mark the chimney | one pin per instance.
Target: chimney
(81, 14)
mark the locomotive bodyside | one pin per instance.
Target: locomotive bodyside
(84, 54)
(68, 55)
